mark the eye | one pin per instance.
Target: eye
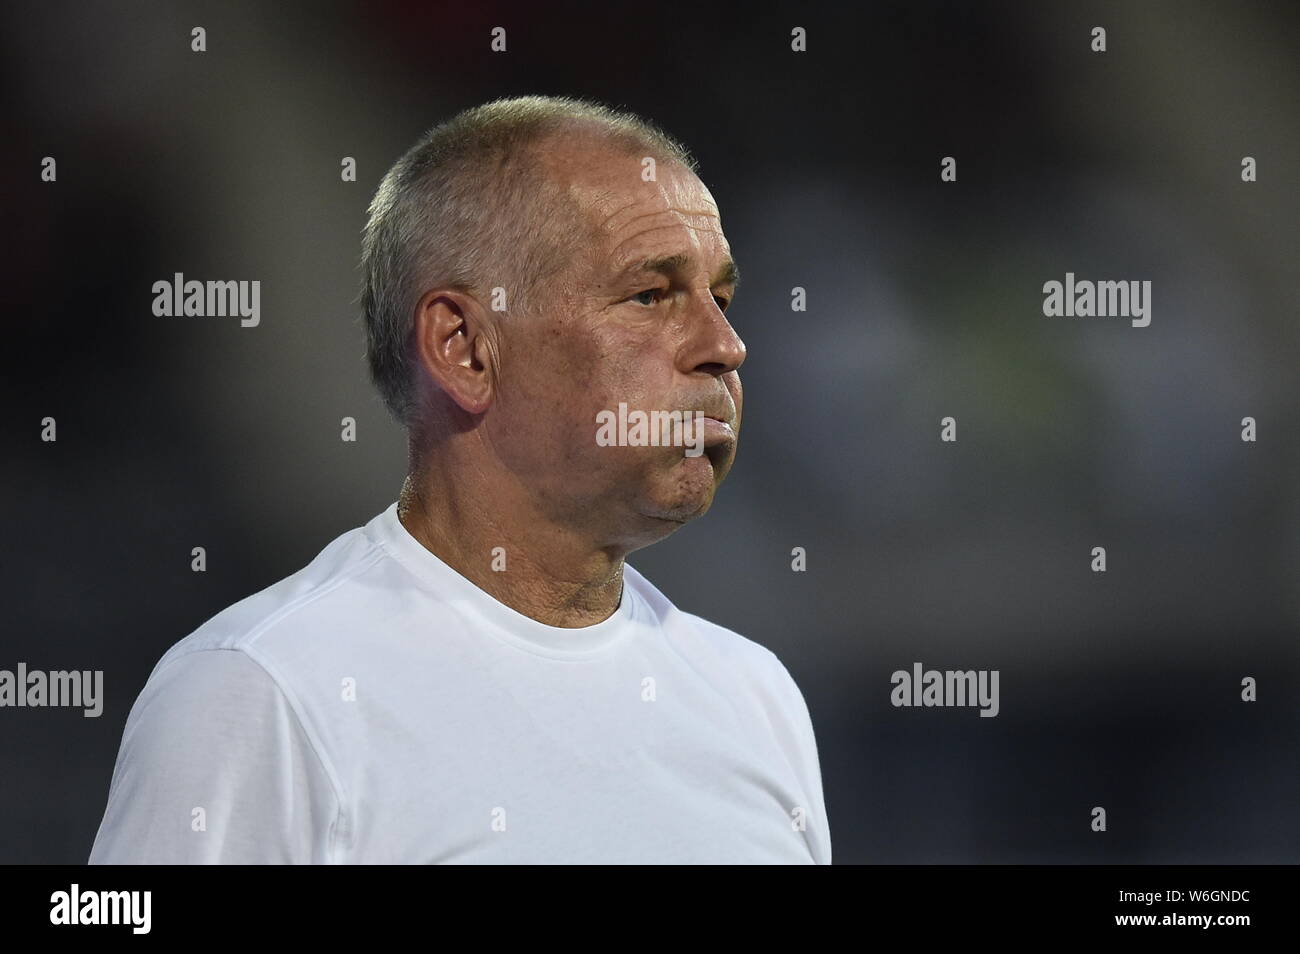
(656, 292)
(722, 302)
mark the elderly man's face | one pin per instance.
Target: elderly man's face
(637, 319)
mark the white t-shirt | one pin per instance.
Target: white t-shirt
(378, 707)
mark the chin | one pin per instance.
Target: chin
(683, 494)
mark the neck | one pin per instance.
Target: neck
(551, 573)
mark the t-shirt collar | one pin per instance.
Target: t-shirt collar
(524, 631)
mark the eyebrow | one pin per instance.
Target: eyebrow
(728, 272)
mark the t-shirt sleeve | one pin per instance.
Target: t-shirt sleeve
(215, 768)
(795, 733)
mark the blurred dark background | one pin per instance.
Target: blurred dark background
(1119, 689)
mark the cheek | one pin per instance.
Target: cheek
(566, 376)
(641, 371)
(556, 387)
(628, 367)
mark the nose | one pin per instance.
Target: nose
(713, 347)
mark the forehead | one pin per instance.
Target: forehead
(629, 218)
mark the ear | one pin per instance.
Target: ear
(455, 347)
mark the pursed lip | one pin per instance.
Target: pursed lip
(717, 430)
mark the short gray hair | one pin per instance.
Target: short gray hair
(470, 206)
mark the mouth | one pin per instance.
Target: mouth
(717, 430)
(713, 440)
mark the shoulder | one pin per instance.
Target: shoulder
(739, 652)
(215, 766)
(204, 694)
(296, 615)
(753, 675)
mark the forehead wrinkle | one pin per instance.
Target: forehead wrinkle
(659, 199)
(672, 219)
(605, 198)
(670, 210)
(622, 259)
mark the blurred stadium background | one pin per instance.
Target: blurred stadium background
(1119, 690)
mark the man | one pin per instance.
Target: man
(476, 675)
